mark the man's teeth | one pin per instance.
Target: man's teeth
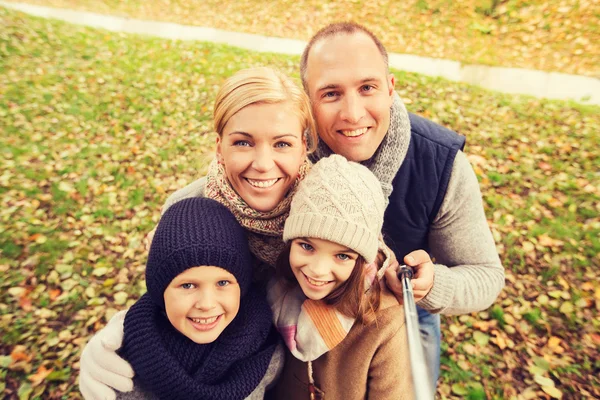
(204, 321)
(356, 132)
(316, 283)
(262, 184)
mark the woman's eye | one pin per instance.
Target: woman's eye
(306, 246)
(223, 283)
(241, 143)
(283, 144)
(187, 286)
(343, 257)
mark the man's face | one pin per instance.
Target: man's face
(351, 94)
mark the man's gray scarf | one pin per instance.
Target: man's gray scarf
(386, 161)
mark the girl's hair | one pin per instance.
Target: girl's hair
(263, 85)
(350, 297)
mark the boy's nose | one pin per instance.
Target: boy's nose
(205, 301)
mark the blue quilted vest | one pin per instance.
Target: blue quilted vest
(420, 185)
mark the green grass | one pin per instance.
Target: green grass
(98, 128)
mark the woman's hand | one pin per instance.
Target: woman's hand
(102, 370)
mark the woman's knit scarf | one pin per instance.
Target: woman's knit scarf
(171, 366)
(386, 161)
(265, 229)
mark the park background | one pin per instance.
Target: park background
(97, 128)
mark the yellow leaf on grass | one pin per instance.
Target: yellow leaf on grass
(553, 342)
(543, 381)
(552, 392)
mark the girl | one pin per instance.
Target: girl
(265, 130)
(344, 331)
(201, 331)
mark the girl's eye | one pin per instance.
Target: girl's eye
(223, 283)
(187, 286)
(306, 246)
(343, 257)
(241, 143)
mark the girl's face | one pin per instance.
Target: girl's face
(320, 266)
(262, 149)
(201, 302)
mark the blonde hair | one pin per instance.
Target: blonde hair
(263, 85)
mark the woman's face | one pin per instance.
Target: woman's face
(262, 149)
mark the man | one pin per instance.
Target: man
(434, 198)
(435, 203)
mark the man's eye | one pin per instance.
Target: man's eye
(329, 94)
(306, 246)
(187, 286)
(223, 283)
(367, 88)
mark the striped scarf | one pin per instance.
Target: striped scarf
(265, 229)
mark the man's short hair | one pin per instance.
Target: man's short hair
(337, 28)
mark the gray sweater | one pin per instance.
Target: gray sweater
(273, 372)
(468, 272)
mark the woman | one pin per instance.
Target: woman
(264, 131)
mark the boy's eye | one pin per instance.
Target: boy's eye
(223, 283)
(187, 286)
(306, 246)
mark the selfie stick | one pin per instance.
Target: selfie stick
(420, 372)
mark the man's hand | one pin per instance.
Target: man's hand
(101, 368)
(422, 281)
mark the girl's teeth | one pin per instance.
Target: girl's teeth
(262, 184)
(316, 283)
(354, 133)
(204, 321)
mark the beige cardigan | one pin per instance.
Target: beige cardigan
(371, 362)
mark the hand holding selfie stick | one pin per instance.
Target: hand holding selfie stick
(420, 372)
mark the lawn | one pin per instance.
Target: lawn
(551, 35)
(98, 128)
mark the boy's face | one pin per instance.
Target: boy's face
(320, 266)
(201, 302)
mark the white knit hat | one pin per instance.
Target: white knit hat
(339, 201)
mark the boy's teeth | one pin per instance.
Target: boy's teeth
(356, 132)
(204, 320)
(316, 283)
(262, 184)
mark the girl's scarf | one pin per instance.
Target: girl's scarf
(310, 328)
(171, 366)
(388, 158)
(265, 229)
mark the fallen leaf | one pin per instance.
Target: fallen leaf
(39, 376)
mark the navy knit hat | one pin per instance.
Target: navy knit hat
(192, 233)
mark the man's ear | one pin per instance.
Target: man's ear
(219, 153)
(391, 84)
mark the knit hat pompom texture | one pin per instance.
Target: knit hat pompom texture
(339, 201)
(196, 232)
